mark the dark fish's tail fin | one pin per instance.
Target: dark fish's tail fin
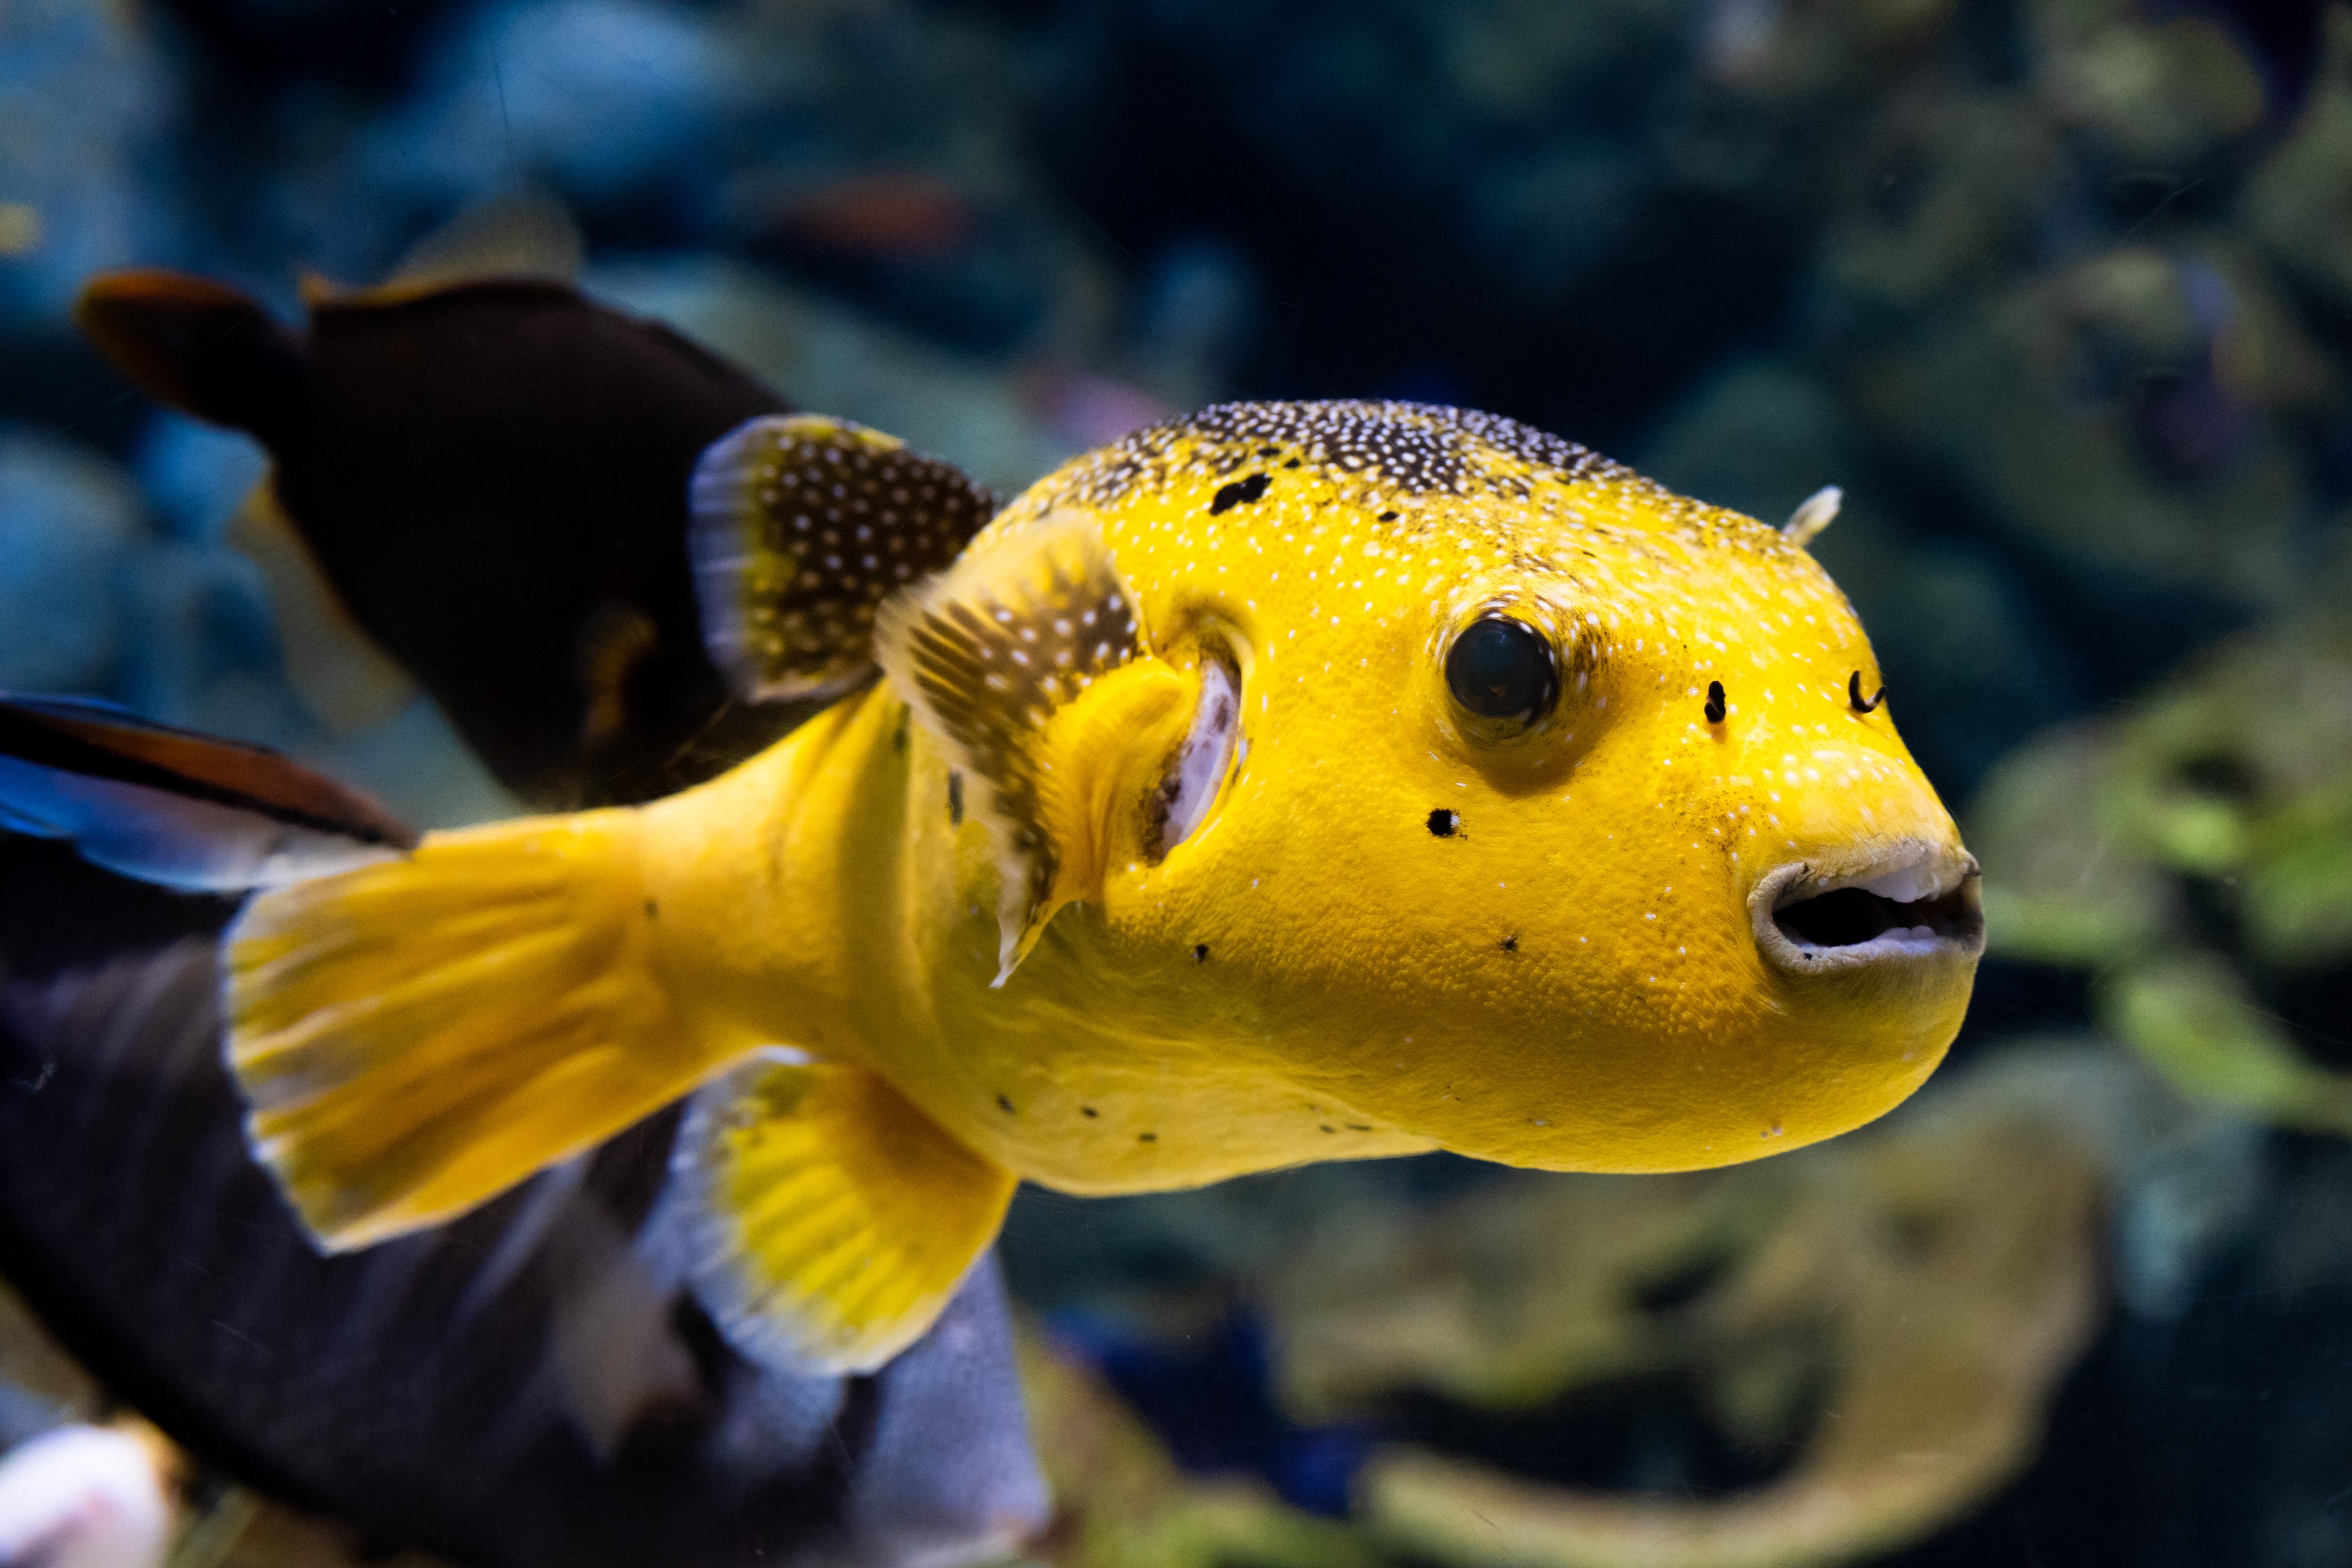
(183, 810)
(199, 347)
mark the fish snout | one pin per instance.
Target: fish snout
(1905, 903)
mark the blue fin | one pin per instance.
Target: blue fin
(169, 806)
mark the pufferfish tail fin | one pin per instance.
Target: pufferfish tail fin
(829, 1222)
(414, 1037)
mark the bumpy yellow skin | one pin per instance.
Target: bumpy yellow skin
(1568, 981)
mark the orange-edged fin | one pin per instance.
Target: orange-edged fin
(345, 680)
(413, 1038)
(199, 347)
(802, 524)
(180, 809)
(831, 1220)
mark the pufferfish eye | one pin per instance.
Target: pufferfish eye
(1503, 669)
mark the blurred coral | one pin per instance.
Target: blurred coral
(1124, 1503)
(2197, 855)
(1888, 1315)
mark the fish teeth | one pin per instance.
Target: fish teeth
(1912, 872)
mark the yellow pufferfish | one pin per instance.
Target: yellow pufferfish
(1290, 782)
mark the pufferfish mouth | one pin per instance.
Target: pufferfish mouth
(1916, 902)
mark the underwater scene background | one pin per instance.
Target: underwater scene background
(2060, 291)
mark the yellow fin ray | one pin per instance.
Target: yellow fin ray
(833, 1220)
(414, 1042)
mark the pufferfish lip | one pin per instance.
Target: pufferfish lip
(1914, 902)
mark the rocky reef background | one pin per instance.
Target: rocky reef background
(2059, 291)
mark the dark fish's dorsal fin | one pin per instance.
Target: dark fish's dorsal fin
(802, 524)
(1024, 660)
(529, 235)
(199, 347)
(525, 238)
(181, 809)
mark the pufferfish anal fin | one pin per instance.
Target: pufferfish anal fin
(830, 1220)
(1025, 660)
(802, 524)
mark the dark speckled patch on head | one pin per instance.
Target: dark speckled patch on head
(801, 525)
(1417, 449)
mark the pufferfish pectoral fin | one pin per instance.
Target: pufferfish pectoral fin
(801, 525)
(1025, 660)
(832, 1221)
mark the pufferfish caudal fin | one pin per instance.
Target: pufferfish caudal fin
(413, 1038)
(1027, 659)
(801, 525)
(829, 1221)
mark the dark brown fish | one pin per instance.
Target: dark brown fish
(492, 475)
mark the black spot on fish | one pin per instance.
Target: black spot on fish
(1854, 694)
(1004, 1105)
(1269, 451)
(1089, 1111)
(955, 799)
(1388, 517)
(1715, 708)
(1445, 823)
(1201, 952)
(1292, 464)
(1240, 491)
(1147, 1137)
(1328, 1128)
(652, 909)
(1510, 944)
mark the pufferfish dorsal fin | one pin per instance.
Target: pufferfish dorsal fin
(801, 523)
(987, 653)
